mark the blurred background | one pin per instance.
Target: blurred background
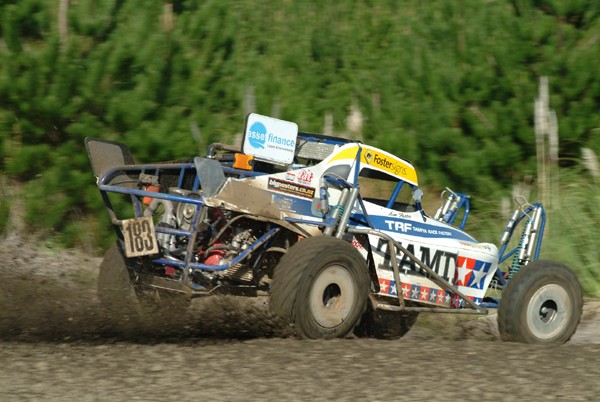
(452, 86)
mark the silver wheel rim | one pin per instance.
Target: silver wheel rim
(332, 296)
(547, 311)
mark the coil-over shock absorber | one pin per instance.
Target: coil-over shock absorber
(449, 209)
(530, 240)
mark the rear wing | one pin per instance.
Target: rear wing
(105, 155)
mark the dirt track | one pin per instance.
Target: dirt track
(56, 344)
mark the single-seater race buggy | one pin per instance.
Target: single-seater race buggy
(330, 229)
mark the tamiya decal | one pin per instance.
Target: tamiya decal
(471, 272)
(416, 228)
(470, 278)
(442, 262)
(399, 226)
(291, 188)
(403, 226)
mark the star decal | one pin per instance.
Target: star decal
(441, 297)
(479, 274)
(393, 291)
(405, 290)
(463, 270)
(384, 284)
(433, 295)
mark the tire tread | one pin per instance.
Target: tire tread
(510, 323)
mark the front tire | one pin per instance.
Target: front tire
(321, 286)
(542, 303)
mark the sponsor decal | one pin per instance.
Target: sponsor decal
(416, 227)
(305, 176)
(291, 188)
(441, 262)
(482, 246)
(470, 272)
(380, 160)
(399, 226)
(284, 203)
(290, 176)
(356, 244)
(404, 227)
(270, 139)
(257, 135)
(386, 163)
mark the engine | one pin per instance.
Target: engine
(221, 237)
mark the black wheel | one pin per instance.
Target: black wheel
(116, 290)
(127, 302)
(321, 286)
(383, 324)
(542, 303)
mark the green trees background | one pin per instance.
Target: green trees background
(448, 85)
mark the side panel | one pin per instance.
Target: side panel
(451, 253)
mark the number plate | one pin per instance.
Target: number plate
(140, 238)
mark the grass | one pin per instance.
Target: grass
(572, 230)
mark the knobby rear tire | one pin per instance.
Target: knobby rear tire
(127, 305)
(321, 287)
(116, 290)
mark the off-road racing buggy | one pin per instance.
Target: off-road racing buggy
(331, 230)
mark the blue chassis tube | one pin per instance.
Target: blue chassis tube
(189, 267)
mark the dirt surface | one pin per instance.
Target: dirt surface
(56, 343)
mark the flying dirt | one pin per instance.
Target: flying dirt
(56, 343)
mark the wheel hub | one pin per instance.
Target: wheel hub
(546, 312)
(332, 296)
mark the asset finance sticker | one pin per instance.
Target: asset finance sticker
(139, 236)
(270, 139)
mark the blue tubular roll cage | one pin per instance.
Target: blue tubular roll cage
(107, 183)
(187, 265)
